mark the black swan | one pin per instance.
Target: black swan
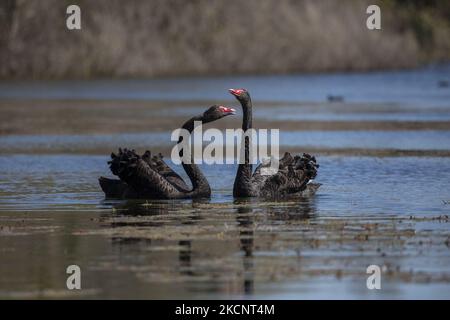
(294, 174)
(151, 178)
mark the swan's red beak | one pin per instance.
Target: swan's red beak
(227, 110)
(236, 92)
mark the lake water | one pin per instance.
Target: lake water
(395, 140)
(392, 212)
(415, 87)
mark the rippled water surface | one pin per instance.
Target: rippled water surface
(416, 87)
(52, 212)
(391, 211)
(394, 140)
(351, 185)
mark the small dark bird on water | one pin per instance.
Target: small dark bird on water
(443, 84)
(335, 98)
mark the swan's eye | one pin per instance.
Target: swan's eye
(237, 92)
(227, 110)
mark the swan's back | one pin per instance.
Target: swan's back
(293, 176)
(140, 175)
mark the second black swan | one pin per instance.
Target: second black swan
(151, 178)
(294, 173)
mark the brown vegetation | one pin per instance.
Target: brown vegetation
(174, 37)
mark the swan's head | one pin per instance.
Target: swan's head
(241, 94)
(216, 112)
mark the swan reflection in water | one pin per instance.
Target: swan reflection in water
(196, 243)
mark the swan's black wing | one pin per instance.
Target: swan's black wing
(159, 165)
(117, 189)
(141, 176)
(292, 177)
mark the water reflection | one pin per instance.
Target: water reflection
(303, 208)
(193, 229)
(225, 247)
(246, 238)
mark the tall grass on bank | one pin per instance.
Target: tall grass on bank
(177, 37)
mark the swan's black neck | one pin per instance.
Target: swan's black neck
(242, 183)
(200, 185)
(247, 110)
(189, 125)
